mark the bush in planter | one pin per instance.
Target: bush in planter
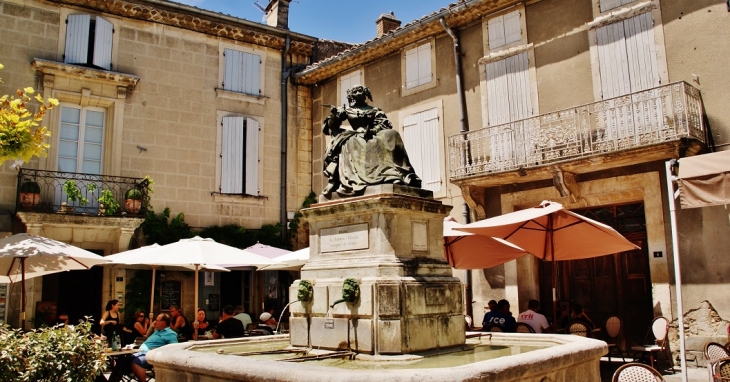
(51, 354)
(107, 203)
(133, 201)
(73, 192)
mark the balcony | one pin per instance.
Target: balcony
(91, 195)
(640, 127)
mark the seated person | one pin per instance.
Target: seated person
(180, 324)
(267, 318)
(137, 363)
(241, 316)
(492, 306)
(203, 324)
(228, 327)
(577, 314)
(502, 318)
(531, 317)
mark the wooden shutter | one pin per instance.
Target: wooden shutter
(242, 72)
(607, 5)
(518, 87)
(77, 39)
(411, 68)
(252, 157)
(641, 52)
(424, 64)
(497, 102)
(346, 82)
(232, 155)
(495, 27)
(512, 27)
(421, 139)
(103, 44)
(612, 60)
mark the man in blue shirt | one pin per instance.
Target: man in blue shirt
(501, 318)
(137, 363)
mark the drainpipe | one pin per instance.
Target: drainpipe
(463, 129)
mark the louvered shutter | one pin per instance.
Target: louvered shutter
(612, 60)
(495, 27)
(421, 137)
(347, 82)
(252, 156)
(242, 72)
(411, 68)
(77, 39)
(424, 64)
(512, 27)
(607, 5)
(641, 52)
(518, 85)
(103, 44)
(232, 155)
(497, 101)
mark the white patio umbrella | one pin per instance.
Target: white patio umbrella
(24, 256)
(205, 253)
(145, 257)
(292, 261)
(552, 233)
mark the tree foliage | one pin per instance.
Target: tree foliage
(21, 135)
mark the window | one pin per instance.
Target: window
(508, 89)
(239, 155)
(347, 81)
(81, 139)
(504, 30)
(418, 67)
(627, 56)
(242, 72)
(607, 5)
(88, 41)
(421, 138)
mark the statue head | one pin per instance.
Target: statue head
(358, 90)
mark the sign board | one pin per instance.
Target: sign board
(214, 302)
(344, 238)
(329, 323)
(169, 294)
(420, 236)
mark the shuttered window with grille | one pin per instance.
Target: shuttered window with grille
(88, 41)
(421, 138)
(242, 72)
(240, 156)
(504, 30)
(418, 65)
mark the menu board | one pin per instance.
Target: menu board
(170, 294)
(214, 302)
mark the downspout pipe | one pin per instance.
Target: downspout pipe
(463, 129)
(284, 116)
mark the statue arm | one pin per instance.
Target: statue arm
(332, 123)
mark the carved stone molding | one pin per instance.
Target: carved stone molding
(566, 183)
(60, 69)
(49, 81)
(121, 92)
(474, 197)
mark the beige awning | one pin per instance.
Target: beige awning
(704, 180)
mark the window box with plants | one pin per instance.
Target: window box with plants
(30, 194)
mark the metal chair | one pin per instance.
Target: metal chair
(636, 372)
(522, 327)
(659, 329)
(613, 331)
(715, 352)
(493, 328)
(579, 328)
(721, 370)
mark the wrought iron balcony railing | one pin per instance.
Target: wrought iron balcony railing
(653, 116)
(76, 193)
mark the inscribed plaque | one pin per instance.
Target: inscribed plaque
(345, 238)
(420, 236)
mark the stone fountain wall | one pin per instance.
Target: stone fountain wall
(391, 241)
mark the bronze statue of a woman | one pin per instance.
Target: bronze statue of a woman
(369, 153)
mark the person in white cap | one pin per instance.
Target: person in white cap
(267, 318)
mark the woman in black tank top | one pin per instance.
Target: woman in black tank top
(110, 322)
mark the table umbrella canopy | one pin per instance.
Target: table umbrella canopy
(146, 258)
(266, 250)
(207, 252)
(465, 250)
(552, 233)
(704, 180)
(41, 256)
(292, 261)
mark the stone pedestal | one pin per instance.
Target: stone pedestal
(391, 241)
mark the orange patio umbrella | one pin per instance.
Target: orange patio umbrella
(465, 250)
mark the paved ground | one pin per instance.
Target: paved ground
(694, 374)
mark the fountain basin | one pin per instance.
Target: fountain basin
(555, 358)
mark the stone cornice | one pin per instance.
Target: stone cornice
(89, 221)
(60, 69)
(199, 20)
(455, 15)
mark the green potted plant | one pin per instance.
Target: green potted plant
(30, 194)
(73, 194)
(108, 205)
(133, 201)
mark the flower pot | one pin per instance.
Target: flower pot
(66, 209)
(29, 199)
(132, 206)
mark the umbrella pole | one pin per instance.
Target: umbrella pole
(22, 292)
(677, 270)
(152, 294)
(550, 238)
(195, 311)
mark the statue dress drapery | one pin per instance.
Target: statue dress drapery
(371, 153)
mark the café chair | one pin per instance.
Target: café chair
(636, 372)
(715, 352)
(721, 370)
(659, 328)
(613, 331)
(493, 328)
(578, 328)
(468, 323)
(522, 327)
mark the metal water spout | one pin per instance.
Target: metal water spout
(350, 292)
(282, 315)
(337, 302)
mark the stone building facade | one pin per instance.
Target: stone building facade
(575, 101)
(151, 88)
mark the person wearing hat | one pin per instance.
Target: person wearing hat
(267, 318)
(228, 327)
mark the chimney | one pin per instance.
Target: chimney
(277, 13)
(386, 23)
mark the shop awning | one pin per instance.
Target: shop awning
(704, 180)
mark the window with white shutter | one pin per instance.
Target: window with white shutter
(607, 5)
(88, 41)
(242, 72)
(418, 69)
(347, 81)
(627, 57)
(504, 30)
(239, 155)
(421, 139)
